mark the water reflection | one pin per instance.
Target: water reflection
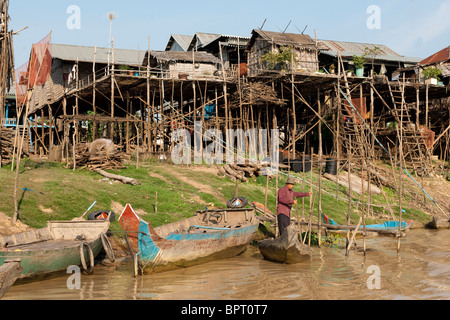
(420, 271)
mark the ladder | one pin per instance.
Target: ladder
(416, 155)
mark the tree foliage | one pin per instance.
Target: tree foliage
(280, 60)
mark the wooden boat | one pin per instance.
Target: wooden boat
(285, 249)
(259, 207)
(209, 235)
(387, 226)
(9, 272)
(56, 247)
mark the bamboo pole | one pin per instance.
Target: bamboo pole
(294, 114)
(349, 246)
(400, 189)
(320, 167)
(50, 123)
(149, 142)
(426, 106)
(349, 166)
(19, 151)
(362, 201)
(224, 88)
(94, 109)
(111, 134)
(18, 158)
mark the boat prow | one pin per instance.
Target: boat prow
(285, 249)
(209, 235)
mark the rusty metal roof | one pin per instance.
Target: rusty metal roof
(441, 56)
(350, 49)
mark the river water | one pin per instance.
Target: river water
(421, 271)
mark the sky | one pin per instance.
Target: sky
(411, 28)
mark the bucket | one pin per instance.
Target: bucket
(331, 167)
(297, 164)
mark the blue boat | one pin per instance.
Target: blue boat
(208, 235)
(387, 226)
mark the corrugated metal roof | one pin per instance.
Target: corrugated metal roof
(185, 56)
(182, 40)
(229, 41)
(202, 39)
(86, 54)
(350, 49)
(441, 56)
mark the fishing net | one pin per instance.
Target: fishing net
(40, 63)
(21, 84)
(36, 71)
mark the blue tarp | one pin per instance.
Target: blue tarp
(210, 111)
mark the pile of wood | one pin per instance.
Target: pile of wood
(256, 93)
(243, 172)
(7, 137)
(101, 154)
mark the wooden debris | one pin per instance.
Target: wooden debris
(256, 93)
(242, 172)
(96, 156)
(7, 137)
(123, 179)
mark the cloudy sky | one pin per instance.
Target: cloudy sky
(410, 27)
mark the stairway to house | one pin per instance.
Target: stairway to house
(415, 153)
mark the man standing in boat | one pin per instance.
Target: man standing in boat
(286, 198)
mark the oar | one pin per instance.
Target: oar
(88, 209)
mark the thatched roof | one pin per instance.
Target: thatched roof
(282, 39)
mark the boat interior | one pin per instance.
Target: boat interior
(56, 233)
(209, 221)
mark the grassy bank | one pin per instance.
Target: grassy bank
(59, 193)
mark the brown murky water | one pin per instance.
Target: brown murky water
(420, 271)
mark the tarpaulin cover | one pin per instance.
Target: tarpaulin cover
(210, 111)
(360, 105)
(428, 137)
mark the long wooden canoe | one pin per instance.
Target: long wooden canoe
(207, 236)
(54, 248)
(386, 226)
(285, 249)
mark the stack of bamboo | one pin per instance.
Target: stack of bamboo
(103, 158)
